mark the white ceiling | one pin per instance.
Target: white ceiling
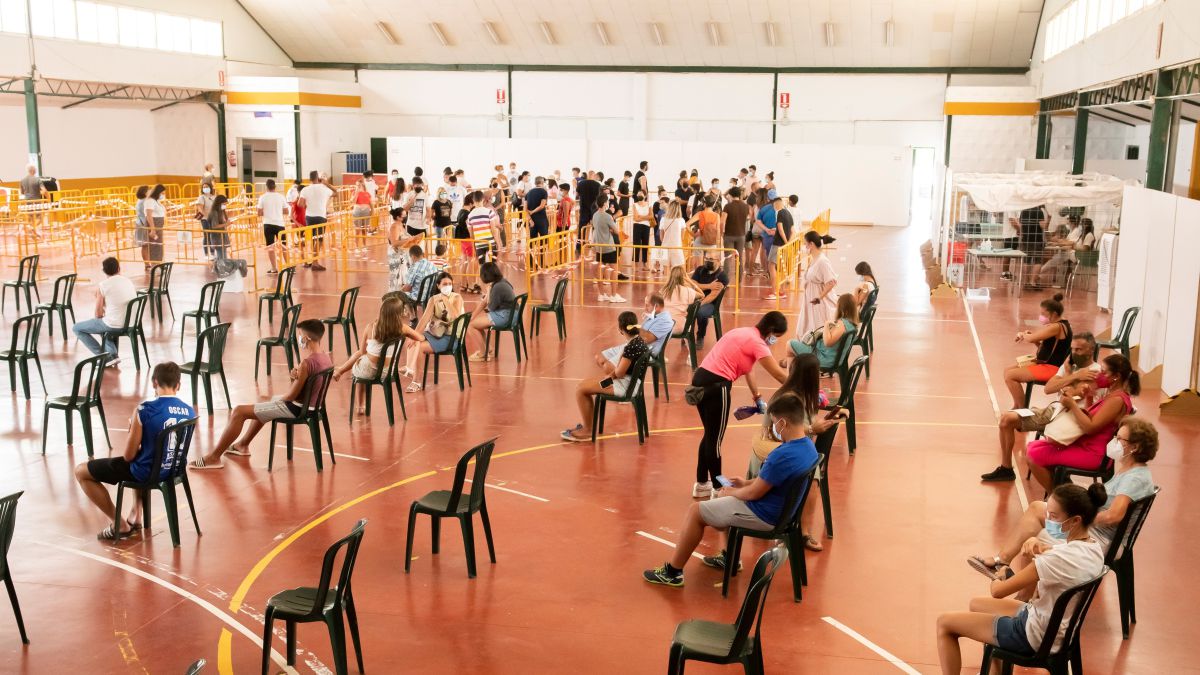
(928, 33)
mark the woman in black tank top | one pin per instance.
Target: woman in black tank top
(1053, 342)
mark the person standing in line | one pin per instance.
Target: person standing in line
(392, 178)
(272, 208)
(443, 214)
(418, 211)
(672, 236)
(208, 178)
(203, 207)
(780, 235)
(455, 192)
(604, 237)
(733, 356)
(588, 191)
(641, 232)
(141, 230)
(112, 295)
(733, 230)
(566, 206)
(537, 200)
(794, 209)
(485, 229)
(31, 185)
(623, 195)
(364, 202)
(640, 182)
(820, 280)
(156, 218)
(293, 200)
(314, 199)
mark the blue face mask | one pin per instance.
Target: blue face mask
(772, 339)
(1055, 529)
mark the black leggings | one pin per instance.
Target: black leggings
(714, 415)
(641, 237)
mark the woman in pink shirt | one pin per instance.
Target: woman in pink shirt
(733, 356)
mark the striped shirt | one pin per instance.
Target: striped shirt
(480, 222)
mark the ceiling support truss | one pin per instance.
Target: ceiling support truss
(90, 91)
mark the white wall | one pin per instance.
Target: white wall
(991, 144)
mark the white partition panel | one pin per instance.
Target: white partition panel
(1180, 341)
(1156, 297)
(1136, 223)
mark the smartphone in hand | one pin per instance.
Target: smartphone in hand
(833, 412)
(724, 482)
(606, 382)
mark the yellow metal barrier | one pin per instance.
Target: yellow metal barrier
(554, 251)
(588, 256)
(820, 224)
(787, 267)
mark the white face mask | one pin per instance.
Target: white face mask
(446, 290)
(771, 339)
(775, 431)
(1115, 450)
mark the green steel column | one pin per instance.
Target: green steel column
(1160, 132)
(774, 106)
(296, 129)
(949, 122)
(1043, 137)
(221, 147)
(1079, 147)
(31, 124)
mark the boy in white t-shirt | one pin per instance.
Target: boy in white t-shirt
(112, 295)
(273, 209)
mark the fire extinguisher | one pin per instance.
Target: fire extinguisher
(232, 158)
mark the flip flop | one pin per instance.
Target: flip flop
(812, 544)
(108, 534)
(200, 464)
(237, 453)
(566, 435)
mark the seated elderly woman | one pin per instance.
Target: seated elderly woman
(1097, 424)
(1134, 446)
(616, 377)
(826, 344)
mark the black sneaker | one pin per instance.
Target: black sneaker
(718, 561)
(1007, 276)
(660, 575)
(1001, 474)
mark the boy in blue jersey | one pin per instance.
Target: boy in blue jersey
(147, 422)
(750, 504)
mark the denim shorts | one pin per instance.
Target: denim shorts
(1009, 632)
(440, 344)
(500, 317)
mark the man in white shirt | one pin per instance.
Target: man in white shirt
(455, 192)
(793, 208)
(113, 294)
(314, 199)
(513, 175)
(272, 208)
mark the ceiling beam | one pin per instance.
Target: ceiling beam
(1112, 119)
(105, 94)
(880, 70)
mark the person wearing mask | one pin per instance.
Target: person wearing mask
(399, 245)
(272, 208)
(1076, 376)
(733, 229)
(710, 279)
(604, 237)
(485, 227)
(443, 215)
(420, 267)
(679, 293)
(1134, 446)
(779, 235)
(844, 321)
(313, 360)
(136, 464)
(314, 199)
(112, 295)
(364, 202)
(623, 194)
(714, 191)
(397, 196)
(1018, 626)
(434, 327)
(705, 225)
(755, 504)
(615, 381)
(418, 211)
(141, 230)
(537, 201)
(642, 226)
(456, 192)
(793, 208)
(203, 211)
(819, 283)
(393, 176)
(672, 237)
(495, 310)
(218, 221)
(588, 192)
(566, 208)
(208, 178)
(866, 284)
(732, 357)
(365, 362)
(1053, 342)
(640, 182)
(1082, 237)
(764, 234)
(1097, 422)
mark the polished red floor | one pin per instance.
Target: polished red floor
(566, 593)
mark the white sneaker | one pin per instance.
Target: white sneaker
(602, 298)
(616, 298)
(702, 491)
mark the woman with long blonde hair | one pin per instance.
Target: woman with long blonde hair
(365, 362)
(678, 293)
(672, 233)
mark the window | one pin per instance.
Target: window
(98, 22)
(1080, 19)
(107, 31)
(12, 16)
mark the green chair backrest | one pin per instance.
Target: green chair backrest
(283, 281)
(316, 388)
(458, 333)
(160, 276)
(210, 296)
(8, 525)
(637, 376)
(171, 451)
(856, 370)
(351, 543)
(287, 326)
(27, 269)
(482, 456)
(750, 615)
(1127, 320)
(844, 346)
(347, 302)
(518, 310)
(689, 323)
(214, 338)
(864, 326)
(426, 288)
(133, 313)
(64, 287)
(716, 303)
(85, 384)
(26, 331)
(560, 293)
(1087, 259)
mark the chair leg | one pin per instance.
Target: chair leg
(353, 388)
(314, 431)
(290, 632)
(12, 598)
(208, 397)
(271, 451)
(86, 418)
(45, 427)
(337, 638)
(268, 628)
(389, 403)
(117, 508)
(172, 507)
(827, 507)
(187, 492)
(412, 526)
(25, 377)
(796, 562)
(851, 431)
(487, 530)
(38, 362)
(225, 386)
(352, 619)
(675, 660)
(436, 533)
(468, 530)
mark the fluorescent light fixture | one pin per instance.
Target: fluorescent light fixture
(772, 38)
(656, 28)
(440, 34)
(492, 32)
(889, 32)
(386, 30)
(547, 33)
(714, 33)
(829, 35)
(602, 32)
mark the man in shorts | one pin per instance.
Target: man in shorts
(135, 464)
(1076, 376)
(272, 208)
(750, 504)
(314, 199)
(780, 235)
(604, 237)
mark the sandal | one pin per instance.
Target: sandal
(108, 534)
(237, 452)
(201, 464)
(134, 527)
(811, 543)
(413, 388)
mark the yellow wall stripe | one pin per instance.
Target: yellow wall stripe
(990, 108)
(292, 98)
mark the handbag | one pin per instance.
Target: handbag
(811, 337)
(1062, 427)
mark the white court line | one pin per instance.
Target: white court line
(664, 541)
(1022, 498)
(336, 454)
(888, 656)
(515, 492)
(204, 604)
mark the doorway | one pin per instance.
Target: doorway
(259, 160)
(924, 179)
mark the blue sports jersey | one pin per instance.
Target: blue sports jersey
(789, 460)
(155, 415)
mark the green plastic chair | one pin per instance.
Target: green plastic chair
(460, 504)
(687, 332)
(658, 365)
(132, 329)
(788, 530)
(1119, 557)
(841, 363)
(213, 339)
(313, 415)
(846, 398)
(824, 444)
(168, 469)
(27, 271)
(387, 377)
(85, 395)
(1087, 264)
(458, 351)
(863, 336)
(208, 311)
(286, 339)
(282, 294)
(739, 642)
(61, 302)
(556, 306)
(635, 394)
(345, 319)
(332, 605)
(516, 326)
(716, 317)
(26, 332)
(425, 290)
(1120, 342)
(8, 524)
(159, 287)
